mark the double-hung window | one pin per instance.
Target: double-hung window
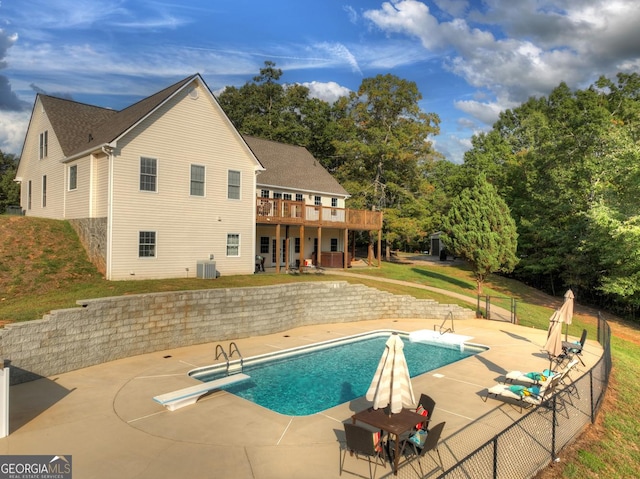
(197, 180)
(44, 191)
(147, 244)
(44, 144)
(317, 201)
(233, 244)
(233, 185)
(148, 174)
(73, 177)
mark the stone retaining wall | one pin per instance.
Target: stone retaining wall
(106, 329)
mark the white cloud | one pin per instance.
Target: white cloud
(329, 91)
(520, 49)
(13, 127)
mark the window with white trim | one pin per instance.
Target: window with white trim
(233, 192)
(233, 244)
(299, 197)
(148, 174)
(147, 244)
(264, 193)
(44, 144)
(277, 195)
(286, 196)
(334, 202)
(44, 191)
(197, 180)
(317, 201)
(73, 177)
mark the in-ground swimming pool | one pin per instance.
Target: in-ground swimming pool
(311, 379)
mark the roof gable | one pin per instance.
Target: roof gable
(289, 166)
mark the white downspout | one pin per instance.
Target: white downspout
(108, 150)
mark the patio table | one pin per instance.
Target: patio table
(395, 424)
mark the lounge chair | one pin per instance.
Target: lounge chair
(537, 378)
(362, 441)
(430, 444)
(524, 396)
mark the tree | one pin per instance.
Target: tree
(480, 229)
(383, 147)
(9, 189)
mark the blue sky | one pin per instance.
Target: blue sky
(470, 59)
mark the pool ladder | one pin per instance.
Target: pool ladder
(448, 330)
(233, 348)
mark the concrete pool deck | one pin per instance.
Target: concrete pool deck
(105, 417)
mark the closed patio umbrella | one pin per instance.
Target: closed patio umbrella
(553, 346)
(391, 384)
(568, 314)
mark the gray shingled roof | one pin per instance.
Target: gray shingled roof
(81, 127)
(289, 166)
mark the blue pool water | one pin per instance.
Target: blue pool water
(309, 382)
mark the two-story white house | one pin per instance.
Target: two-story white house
(168, 184)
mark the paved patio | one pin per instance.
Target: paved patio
(105, 418)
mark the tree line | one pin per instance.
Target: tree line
(550, 195)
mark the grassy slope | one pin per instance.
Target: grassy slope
(43, 267)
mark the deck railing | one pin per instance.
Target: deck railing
(288, 212)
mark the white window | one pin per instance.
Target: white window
(147, 244)
(233, 244)
(197, 180)
(299, 197)
(44, 191)
(44, 144)
(277, 195)
(287, 196)
(233, 185)
(264, 193)
(73, 177)
(334, 202)
(148, 174)
(317, 201)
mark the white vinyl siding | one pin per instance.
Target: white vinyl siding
(33, 168)
(183, 132)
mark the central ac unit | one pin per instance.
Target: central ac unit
(206, 269)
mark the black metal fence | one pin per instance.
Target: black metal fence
(529, 444)
(498, 308)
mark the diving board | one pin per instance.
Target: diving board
(187, 396)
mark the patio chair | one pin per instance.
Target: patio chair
(362, 441)
(426, 405)
(570, 350)
(430, 444)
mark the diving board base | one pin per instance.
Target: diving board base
(187, 396)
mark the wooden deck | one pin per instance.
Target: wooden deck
(288, 212)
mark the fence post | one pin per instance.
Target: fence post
(487, 305)
(495, 457)
(593, 413)
(553, 429)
